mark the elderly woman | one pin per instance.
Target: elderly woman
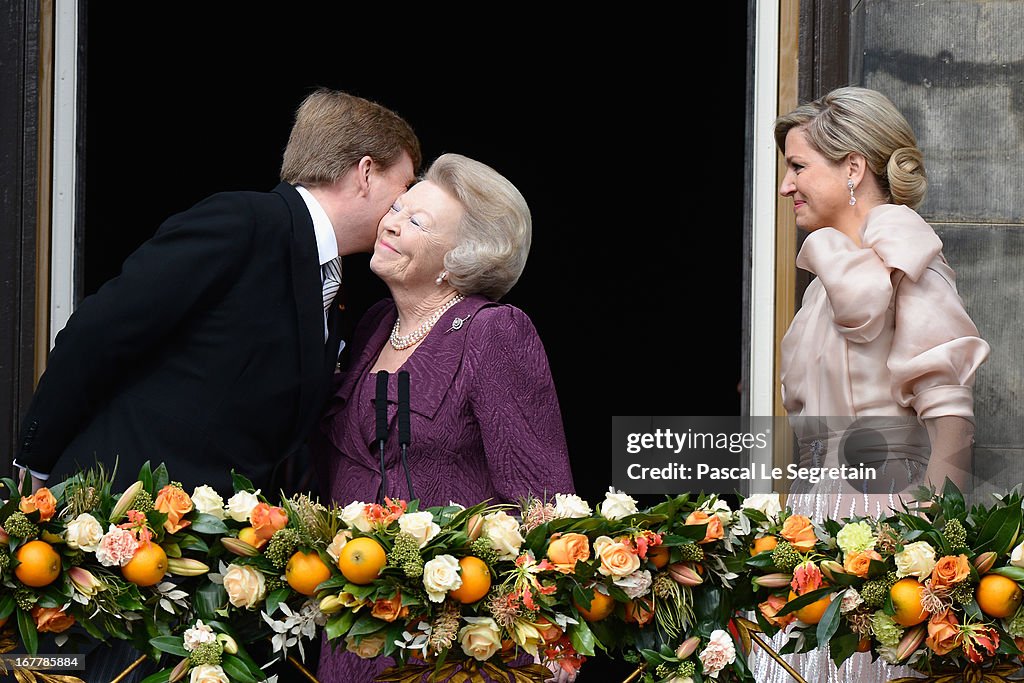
(485, 421)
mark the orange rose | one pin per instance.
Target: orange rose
(52, 619)
(389, 609)
(770, 607)
(714, 530)
(618, 558)
(41, 500)
(859, 563)
(549, 631)
(175, 503)
(566, 550)
(943, 633)
(950, 570)
(266, 520)
(798, 531)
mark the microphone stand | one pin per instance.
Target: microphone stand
(404, 436)
(381, 408)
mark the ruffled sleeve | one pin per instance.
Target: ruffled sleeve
(936, 348)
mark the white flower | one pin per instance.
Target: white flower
(245, 585)
(354, 515)
(419, 525)
(617, 505)
(851, 600)
(719, 653)
(855, 537)
(889, 653)
(502, 530)
(199, 634)
(1017, 556)
(569, 505)
(636, 584)
(84, 532)
(481, 639)
(766, 503)
(679, 679)
(208, 673)
(441, 575)
(720, 508)
(240, 505)
(206, 499)
(339, 541)
(916, 559)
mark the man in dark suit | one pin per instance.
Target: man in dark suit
(215, 347)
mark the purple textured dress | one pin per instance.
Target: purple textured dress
(485, 424)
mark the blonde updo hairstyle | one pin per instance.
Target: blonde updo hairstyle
(854, 119)
(493, 238)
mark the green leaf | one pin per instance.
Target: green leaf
(366, 625)
(208, 598)
(174, 645)
(238, 670)
(240, 483)
(6, 604)
(29, 634)
(1015, 573)
(842, 647)
(829, 623)
(208, 524)
(190, 542)
(160, 478)
(804, 600)
(582, 638)
(146, 477)
(158, 677)
(276, 598)
(653, 658)
(999, 530)
(953, 506)
(338, 625)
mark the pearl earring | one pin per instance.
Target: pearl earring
(441, 277)
(849, 184)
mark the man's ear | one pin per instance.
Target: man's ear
(364, 169)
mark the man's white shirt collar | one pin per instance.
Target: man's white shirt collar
(326, 242)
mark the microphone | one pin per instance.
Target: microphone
(381, 406)
(404, 435)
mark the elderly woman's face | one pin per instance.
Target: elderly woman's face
(414, 235)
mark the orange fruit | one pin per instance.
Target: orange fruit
(601, 606)
(906, 599)
(864, 645)
(658, 555)
(762, 544)
(476, 580)
(147, 566)
(39, 564)
(998, 596)
(305, 571)
(361, 560)
(812, 613)
(248, 535)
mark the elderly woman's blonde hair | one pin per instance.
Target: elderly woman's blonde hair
(493, 238)
(853, 119)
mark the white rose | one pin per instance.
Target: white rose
(916, 559)
(617, 505)
(679, 679)
(208, 673)
(571, 506)
(502, 530)
(481, 639)
(84, 532)
(206, 499)
(766, 503)
(441, 575)
(720, 508)
(354, 515)
(419, 525)
(368, 646)
(199, 634)
(245, 585)
(240, 505)
(1017, 556)
(339, 541)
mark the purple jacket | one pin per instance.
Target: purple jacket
(484, 416)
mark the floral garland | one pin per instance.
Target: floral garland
(682, 589)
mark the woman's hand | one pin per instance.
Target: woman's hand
(952, 439)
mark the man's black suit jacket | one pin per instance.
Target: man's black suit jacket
(207, 352)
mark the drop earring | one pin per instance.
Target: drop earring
(849, 184)
(441, 277)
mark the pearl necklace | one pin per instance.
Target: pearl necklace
(398, 342)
